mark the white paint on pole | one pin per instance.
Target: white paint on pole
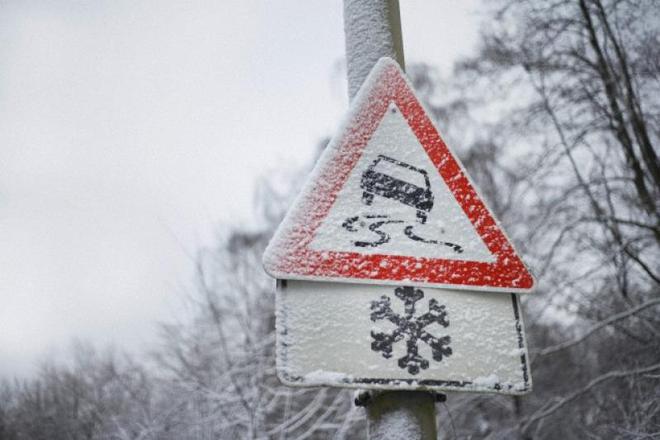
(341, 335)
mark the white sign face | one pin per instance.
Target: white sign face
(389, 337)
(369, 217)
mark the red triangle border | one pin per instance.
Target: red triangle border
(290, 257)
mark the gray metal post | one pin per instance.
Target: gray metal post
(373, 30)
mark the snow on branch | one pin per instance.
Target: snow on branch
(549, 409)
(617, 317)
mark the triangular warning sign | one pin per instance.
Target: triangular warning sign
(388, 203)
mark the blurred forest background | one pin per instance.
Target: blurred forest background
(557, 119)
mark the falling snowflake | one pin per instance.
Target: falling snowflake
(410, 327)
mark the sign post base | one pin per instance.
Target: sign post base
(401, 415)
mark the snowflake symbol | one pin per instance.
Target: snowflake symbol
(411, 328)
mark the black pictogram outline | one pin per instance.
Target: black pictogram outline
(411, 328)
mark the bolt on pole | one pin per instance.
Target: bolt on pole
(373, 30)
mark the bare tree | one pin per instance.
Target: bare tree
(94, 396)
(221, 360)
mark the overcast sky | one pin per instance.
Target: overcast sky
(131, 131)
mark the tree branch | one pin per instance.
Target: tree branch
(617, 317)
(543, 412)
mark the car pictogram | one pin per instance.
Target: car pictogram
(375, 181)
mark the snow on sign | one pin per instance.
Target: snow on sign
(388, 203)
(387, 259)
(400, 337)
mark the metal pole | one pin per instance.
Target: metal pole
(400, 415)
(373, 30)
